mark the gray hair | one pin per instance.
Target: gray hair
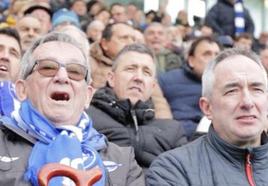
(135, 47)
(27, 62)
(208, 77)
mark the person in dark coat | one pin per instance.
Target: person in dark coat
(182, 87)
(235, 150)
(221, 18)
(124, 112)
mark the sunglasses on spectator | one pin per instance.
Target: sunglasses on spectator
(50, 67)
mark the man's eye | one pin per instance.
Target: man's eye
(259, 90)
(232, 91)
(148, 73)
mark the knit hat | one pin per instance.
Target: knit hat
(64, 15)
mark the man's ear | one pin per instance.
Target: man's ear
(191, 61)
(103, 44)
(111, 79)
(90, 93)
(21, 89)
(205, 106)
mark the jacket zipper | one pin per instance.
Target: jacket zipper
(135, 120)
(249, 171)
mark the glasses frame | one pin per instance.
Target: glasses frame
(36, 63)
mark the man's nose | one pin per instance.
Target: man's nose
(247, 100)
(4, 54)
(62, 76)
(31, 32)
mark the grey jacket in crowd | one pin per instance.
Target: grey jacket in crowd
(210, 161)
(16, 147)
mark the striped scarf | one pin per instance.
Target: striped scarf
(239, 20)
(75, 146)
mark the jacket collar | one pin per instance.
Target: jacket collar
(235, 154)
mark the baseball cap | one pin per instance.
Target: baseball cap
(38, 5)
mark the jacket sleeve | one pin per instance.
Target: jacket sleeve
(135, 175)
(211, 20)
(157, 137)
(166, 171)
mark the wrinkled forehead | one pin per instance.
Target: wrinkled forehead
(59, 50)
(136, 58)
(239, 68)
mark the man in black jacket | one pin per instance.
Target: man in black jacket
(124, 112)
(235, 150)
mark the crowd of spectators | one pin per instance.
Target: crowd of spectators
(146, 71)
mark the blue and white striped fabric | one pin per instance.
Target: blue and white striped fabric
(239, 20)
(75, 146)
(8, 98)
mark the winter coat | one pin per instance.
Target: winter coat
(182, 89)
(135, 126)
(210, 161)
(221, 19)
(16, 147)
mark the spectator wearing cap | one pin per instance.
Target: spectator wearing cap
(41, 11)
(29, 29)
(64, 17)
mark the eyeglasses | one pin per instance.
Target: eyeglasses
(50, 67)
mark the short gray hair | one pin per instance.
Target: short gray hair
(27, 62)
(208, 77)
(136, 47)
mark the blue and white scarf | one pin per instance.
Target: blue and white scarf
(239, 20)
(75, 146)
(8, 98)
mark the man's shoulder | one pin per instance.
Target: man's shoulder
(184, 154)
(169, 75)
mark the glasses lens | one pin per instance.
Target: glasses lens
(76, 71)
(48, 68)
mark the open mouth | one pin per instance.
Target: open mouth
(3, 68)
(60, 96)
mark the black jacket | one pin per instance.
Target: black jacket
(135, 126)
(210, 161)
(221, 19)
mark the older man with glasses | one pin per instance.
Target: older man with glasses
(50, 126)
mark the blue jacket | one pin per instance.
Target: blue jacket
(182, 89)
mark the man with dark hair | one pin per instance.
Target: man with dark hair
(235, 150)
(124, 111)
(10, 54)
(182, 87)
(114, 37)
